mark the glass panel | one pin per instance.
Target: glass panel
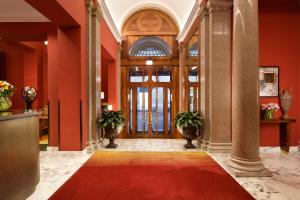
(197, 99)
(158, 109)
(130, 114)
(169, 109)
(194, 50)
(142, 109)
(194, 74)
(138, 75)
(149, 51)
(191, 107)
(162, 74)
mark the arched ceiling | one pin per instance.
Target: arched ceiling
(179, 10)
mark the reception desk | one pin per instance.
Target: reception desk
(19, 154)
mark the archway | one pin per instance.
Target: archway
(149, 74)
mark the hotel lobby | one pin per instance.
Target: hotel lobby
(140, 99)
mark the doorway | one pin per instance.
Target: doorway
(150, 101)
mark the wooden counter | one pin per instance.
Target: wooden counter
(19, 154)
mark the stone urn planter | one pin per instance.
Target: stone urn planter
(189, 123)
(189, 134)
(111, 122)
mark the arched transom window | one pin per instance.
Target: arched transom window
(150, 46)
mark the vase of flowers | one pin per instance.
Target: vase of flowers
(6, 92)
(269, 110)
(29, 95)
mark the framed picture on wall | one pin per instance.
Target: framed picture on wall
(268, 81)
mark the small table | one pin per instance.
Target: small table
(284, 131)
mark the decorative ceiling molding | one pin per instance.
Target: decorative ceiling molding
(109, 20)
(188, 25)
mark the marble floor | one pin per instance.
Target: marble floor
(57, 167)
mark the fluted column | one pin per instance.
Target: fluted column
(204, 74)
(94, 70)
(245, 160)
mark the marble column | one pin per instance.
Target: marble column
(218, 96)
(94, 70)
(204, 74)
(245, 160)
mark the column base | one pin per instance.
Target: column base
(218, 147)
(203, 144)
(91, 146)
(243, 168)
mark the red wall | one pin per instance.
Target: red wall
(109, 57)
(24, 66)
(14, 70)
(279, 46)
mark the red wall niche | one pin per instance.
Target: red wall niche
(279, 46)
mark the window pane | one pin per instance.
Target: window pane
(142, 109)
(158, 109)
(162, 74)
(194, 74)
(191, 107)
(138, 75)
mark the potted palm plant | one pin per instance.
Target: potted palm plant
(189, 123)
(111, 122)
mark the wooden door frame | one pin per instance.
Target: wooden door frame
(150, 85)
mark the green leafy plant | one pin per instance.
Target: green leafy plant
(189, 120)
(112, 119)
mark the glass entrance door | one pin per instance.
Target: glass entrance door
(149, 106)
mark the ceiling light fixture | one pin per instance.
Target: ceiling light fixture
(46, 42)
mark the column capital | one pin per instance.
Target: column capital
(203, 12)
(96, 11)
(88, 6)
(219, 5)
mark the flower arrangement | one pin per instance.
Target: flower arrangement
(269, 110)
(6, 89)
(29, 94)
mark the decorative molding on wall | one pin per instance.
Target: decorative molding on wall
(109, 20)
(193, 16)
(23, 19)
(150, 22)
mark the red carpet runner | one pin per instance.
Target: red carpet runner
(151, 176)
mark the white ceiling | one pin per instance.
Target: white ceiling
(178, 9)
(19, 11)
